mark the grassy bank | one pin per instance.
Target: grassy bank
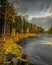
(18, 36)
(8, 48)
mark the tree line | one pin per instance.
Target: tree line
(9, 21)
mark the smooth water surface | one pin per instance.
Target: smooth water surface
(39, 49)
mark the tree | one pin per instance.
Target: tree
(50, 29)
(25, 25)
(18, 24)
(7, 17)
(10, 16)
(2, 17)
(41, 30)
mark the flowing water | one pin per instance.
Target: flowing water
(39, 49)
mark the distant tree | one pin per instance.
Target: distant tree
(41, 29)
(18, 24)
(50, 29)
(25, 25)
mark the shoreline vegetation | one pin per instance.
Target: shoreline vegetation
(11, 51)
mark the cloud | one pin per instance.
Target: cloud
(33, 7)
(44, 22)
(36, 11)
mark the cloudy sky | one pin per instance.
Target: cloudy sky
(36, 11)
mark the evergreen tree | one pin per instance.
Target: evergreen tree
(7, 17)
(2, 15)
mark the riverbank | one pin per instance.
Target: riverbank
(8, 45)
(19, 37)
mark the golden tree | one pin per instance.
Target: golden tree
(10, 16)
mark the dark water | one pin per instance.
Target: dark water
(39, 49)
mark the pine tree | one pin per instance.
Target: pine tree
(2, 15)
(7, 17)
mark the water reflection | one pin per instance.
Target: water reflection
(39, 49)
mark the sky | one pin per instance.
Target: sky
(35, 11)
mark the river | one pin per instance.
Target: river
(39, 49)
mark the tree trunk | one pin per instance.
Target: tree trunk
(2, 19)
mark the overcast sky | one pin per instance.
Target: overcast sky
(36, 11)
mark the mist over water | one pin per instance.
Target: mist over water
(39, 49)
